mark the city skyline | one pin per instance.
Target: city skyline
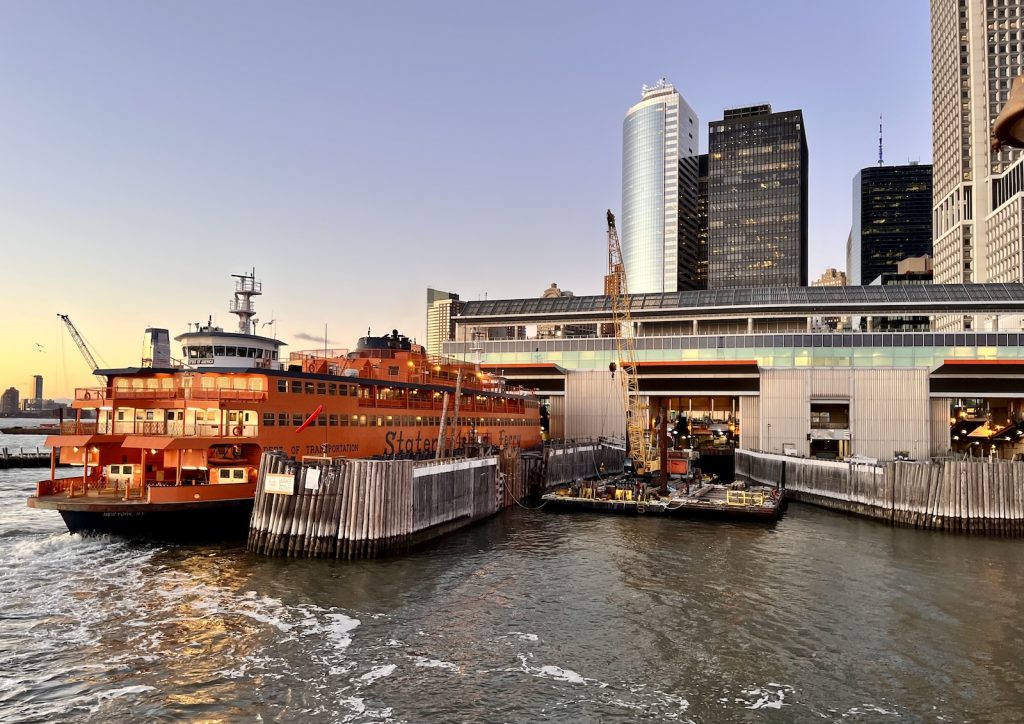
(348, 153)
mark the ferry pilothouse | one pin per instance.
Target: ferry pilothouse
(175, 447)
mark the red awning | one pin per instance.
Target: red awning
(79, 440)
(154, 442)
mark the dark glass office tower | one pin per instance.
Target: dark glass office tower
(892, 219)
(757, 199)
(702, 222)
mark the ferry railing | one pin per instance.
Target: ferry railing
(92, 394)
(84, 427)
(97, 394)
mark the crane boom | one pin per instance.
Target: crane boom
(82, 347)
(642, 452)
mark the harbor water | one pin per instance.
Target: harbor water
(529, 616)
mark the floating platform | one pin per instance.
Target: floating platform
(44, 429)
(725, 501)
(625, 495)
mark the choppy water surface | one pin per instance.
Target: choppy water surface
(528, 617)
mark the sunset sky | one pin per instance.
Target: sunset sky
(356, 153)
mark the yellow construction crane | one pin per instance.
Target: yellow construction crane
(83, 348)
(640, 449)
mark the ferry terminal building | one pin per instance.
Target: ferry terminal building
(827, 372)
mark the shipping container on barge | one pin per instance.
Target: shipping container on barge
(175, 448)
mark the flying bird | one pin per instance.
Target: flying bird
(40, 348)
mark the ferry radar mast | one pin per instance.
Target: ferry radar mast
(245, 289)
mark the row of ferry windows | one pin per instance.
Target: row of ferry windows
(322, 388)
(207, 351)
(283, 419)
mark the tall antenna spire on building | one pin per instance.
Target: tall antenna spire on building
(879, 139)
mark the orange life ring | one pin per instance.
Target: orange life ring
(237, 432)
(88, 396)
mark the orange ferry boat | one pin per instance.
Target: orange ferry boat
(175, 448)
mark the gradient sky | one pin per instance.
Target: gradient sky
(356, 153)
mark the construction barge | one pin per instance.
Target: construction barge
(629, 495)
(655, 480)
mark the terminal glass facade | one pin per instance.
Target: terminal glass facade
(853, 349)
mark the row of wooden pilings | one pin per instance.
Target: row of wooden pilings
(349, 509)
(951, 495)
(22, 458)
(565, 462)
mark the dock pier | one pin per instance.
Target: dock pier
(24, 458)
(961, 496)
(341, 508)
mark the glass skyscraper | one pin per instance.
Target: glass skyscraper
(757, 199)
(892, 219)
(659, 192)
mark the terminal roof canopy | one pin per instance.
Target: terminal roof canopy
(925, 298)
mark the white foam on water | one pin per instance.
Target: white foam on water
(766, 698)
(555, 672)
(378, 672)
(870, 709)
(338, 627)
(355, 703)
(424, 662)
(124, 691)
(524, 636)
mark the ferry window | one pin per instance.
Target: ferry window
(343, 419)
(419, 420)
(274, 355)
(282, 385)
(362, 420)
(219, 350)
(393, 370)
(332, 420)
(332, 389)
(296, 419)
(389, 420)
(321, 388)
(343, 390)
(250, 352)
(355, 420)
(282, 418)
(296, 386)
(268, 419)
(321, 421)
(230, 352)
(309, 388)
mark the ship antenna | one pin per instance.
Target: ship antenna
(879, 139)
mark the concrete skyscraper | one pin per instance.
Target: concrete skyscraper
(659, 192)
(441, 308)
(757, 199)
(978, 196)
(892, 219)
